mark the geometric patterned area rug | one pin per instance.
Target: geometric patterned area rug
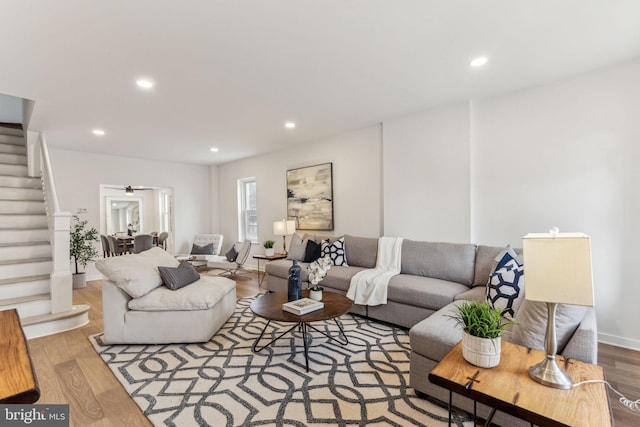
(224, 383)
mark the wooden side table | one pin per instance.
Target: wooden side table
(18, 382)
(508, 388)
(267, 258)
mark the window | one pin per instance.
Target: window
(247, 212)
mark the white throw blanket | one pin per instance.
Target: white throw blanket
(369, 287)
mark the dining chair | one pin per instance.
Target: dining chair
(106, 248)
(114, 245)
(162, 240)
(142, 242)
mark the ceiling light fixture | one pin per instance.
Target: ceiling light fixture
(99, 132)
(289, 125)
(144, 84)
(214, 149)
(479, 62)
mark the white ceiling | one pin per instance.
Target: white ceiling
(230, 73)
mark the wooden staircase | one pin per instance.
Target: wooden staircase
(25, 247)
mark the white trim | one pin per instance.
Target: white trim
(617, 341)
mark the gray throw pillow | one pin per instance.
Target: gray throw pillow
(202, 250)
(296, 248)
(232, 254)
(178, 277)
(531, 324)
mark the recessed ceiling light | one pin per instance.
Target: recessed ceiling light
(214, 149)
(144, 83)
(98, 132)
(289, 125)
(479, 62)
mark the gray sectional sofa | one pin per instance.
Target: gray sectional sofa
(434, 277)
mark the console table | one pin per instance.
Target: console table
(18, 382)
(508, 388)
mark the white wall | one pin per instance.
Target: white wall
(567, 155)
(11, 109)
(356, 159)
(426, 175)
(78, 176)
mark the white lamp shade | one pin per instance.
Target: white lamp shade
(284, 227)
(557, 268)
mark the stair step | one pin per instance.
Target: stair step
(23, 269)
(13, 170)
(28, 207)
(31, 285)
(75, 311)
(20, 181)
(27, 298)
(13, 159)
(11, 193)
(12, 139)
(24, 235)
(8, 251)
(16, 244)
(29, 305)
(12, 149)
(24, 260)
(22, 221)
(11, 129)
(24, 279)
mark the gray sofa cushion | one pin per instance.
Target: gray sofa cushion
(424, 292)
(531, 324)
(361, 251)
(280, 268)
(340, 277)
(446, 261)
(485, 258)
(436, 335)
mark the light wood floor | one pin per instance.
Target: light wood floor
(70, 371)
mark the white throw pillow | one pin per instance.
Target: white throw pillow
(137, 274)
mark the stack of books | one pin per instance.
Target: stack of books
(302, 306)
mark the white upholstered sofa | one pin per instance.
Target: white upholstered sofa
(139, 309)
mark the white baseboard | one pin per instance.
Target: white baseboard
(619, 341)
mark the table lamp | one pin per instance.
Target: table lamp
(284, 228)
(557, 271)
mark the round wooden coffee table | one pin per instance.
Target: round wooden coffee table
(269, 306)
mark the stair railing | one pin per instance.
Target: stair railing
(61, 285)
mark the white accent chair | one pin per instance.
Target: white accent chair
(203, 240)
(232, 268)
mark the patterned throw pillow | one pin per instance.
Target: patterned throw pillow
(179, 277)
(335, 251)
(505, 289)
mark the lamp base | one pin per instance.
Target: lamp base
(550, 374)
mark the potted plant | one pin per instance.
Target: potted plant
(81, 249)
(482, 326)
(268, 247)
(316, 271)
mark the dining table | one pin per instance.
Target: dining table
(126, 242)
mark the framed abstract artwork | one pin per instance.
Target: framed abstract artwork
(310, 197)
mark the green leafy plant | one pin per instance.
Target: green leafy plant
(269, 244)
(316, 288)
(480, 319)
(81, 240)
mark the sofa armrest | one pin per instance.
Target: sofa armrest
(114, 310)
(583, 344)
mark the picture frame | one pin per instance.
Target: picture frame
(310, 197)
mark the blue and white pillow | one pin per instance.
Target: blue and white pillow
(505, 289)
(335, 251)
